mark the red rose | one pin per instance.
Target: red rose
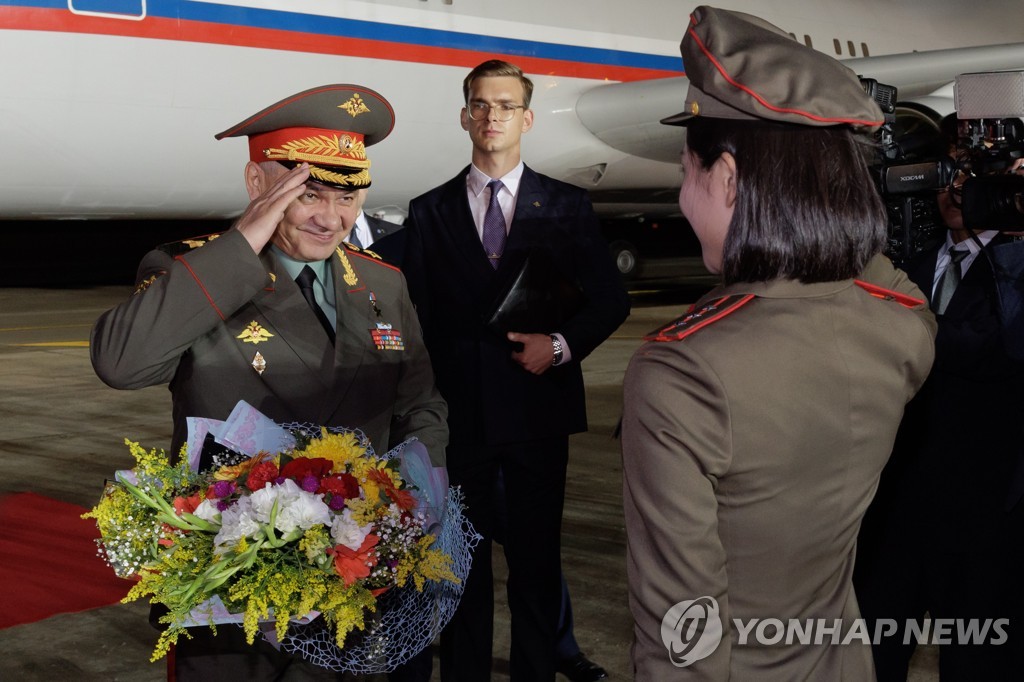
(300, 467)
(260, 475)
(345, 485)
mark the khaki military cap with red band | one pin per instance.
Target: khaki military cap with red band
(743, 68)
(328, 127)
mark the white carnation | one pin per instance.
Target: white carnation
(237, 521)
(345, 531)
(207, 511)
(303, 511)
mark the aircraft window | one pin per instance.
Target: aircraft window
(849, 45)
(864, 49)
(835, 43)
(134, 10)
(807, 41)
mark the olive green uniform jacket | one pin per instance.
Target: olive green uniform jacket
(198, 319)
(751, 449)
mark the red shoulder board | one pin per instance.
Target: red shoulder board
(889, 294)
(700, 318)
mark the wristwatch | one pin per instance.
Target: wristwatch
(556, 349)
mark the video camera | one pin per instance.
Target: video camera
(913, 166)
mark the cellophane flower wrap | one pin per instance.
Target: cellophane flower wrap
(326, 549)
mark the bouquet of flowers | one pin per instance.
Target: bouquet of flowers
(321, 530)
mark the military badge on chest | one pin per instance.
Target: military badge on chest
(384, 335)
(255, 334)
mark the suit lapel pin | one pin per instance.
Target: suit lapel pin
(536, 204)
(259, 363)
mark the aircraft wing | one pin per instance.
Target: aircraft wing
(626, 116)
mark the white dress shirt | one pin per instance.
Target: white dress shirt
(476, 184)
(943, 259)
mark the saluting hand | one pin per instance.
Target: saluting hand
(536, 355)
(270, 197)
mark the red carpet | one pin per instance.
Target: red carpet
(48, 561)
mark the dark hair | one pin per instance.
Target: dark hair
(497, 67)
(806, 206)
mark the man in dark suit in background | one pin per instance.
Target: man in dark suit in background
(945, 532)
(368, 229)
(513, 400)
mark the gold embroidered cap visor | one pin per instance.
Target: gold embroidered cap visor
(328, 127)
(741, 67)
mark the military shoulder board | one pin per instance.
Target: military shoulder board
(358, 249)
(699, 318)
(889, 294)
(175, 249)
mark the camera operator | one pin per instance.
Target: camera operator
(945, 533)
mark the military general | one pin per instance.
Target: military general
(279, 312)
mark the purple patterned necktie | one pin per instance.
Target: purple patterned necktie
(494, 226)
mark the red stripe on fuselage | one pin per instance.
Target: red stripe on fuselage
(63, 21)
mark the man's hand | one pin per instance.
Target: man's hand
(266, 211)
(537, 353)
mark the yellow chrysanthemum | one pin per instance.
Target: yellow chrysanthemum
(341, 448)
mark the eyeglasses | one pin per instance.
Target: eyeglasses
(478, 111)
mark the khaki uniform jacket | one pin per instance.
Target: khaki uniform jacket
(198, 320)
(751, 449)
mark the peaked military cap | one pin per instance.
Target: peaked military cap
(328, 127)
(743, 68)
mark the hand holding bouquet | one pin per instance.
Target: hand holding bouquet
(324, 529)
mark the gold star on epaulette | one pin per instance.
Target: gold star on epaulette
(175, 249)
(366, 252)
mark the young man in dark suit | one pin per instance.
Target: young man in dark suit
(513, 398)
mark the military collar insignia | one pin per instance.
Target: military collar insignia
(254, 334)
(350, 276)
(699, 318)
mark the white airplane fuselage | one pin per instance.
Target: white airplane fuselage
(108, 107)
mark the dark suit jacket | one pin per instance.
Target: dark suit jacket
(953, 485)
(491, 399)
(188, 324)
(380, 228)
